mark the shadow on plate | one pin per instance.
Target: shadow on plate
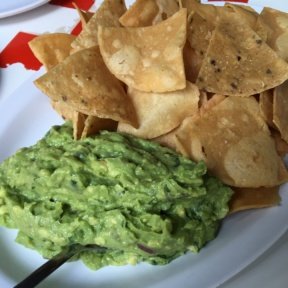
(18, 262)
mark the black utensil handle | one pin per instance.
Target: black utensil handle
(42, 272)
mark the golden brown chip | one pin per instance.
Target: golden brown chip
(204, 20)
(62, 108)
(148, 12)
(94, 124)
(266, 106)
(198, 35)
(168, 139)
(234, 141)
(281, 145)
(83, 125)
(50, 49)
(78, 121)
(207, 103)
(251, 198)
(249, 15)
(159, 113)
(203, 99)
(192, 63)
(277, 30)
(208, 12)
(147, 58)
(108, 15)
(85, 16)
(84, 83)
(280, 109)
(238, 62)
(140, 14)
(166, 10)
(262, 29)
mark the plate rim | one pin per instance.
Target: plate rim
(26, 96)
(22, 8)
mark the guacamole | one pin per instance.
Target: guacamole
(141, 201)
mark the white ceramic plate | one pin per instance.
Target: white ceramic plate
(25, 118)
(27, 115)
(13, 7)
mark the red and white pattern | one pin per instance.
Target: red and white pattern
(20, 41)
(17, 62)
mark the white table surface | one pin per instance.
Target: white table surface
(270, 269)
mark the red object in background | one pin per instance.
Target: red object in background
(82, 4)
(241, 1)
(18, 51)
(77, 29)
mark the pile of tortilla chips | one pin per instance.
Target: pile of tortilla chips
(207, 81)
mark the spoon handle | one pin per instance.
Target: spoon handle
(43, 271)
(51, 265)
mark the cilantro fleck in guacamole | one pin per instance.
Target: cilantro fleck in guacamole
(142, 201)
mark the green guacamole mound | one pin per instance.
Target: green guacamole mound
(142, 201)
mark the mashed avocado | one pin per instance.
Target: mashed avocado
(142, 201)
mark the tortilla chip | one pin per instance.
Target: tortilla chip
(280, 109)
(238, 62)
(166, 10)
(205, 20)
(148, 12)
(62, 108)
(262, 29)
(159, 113)
(108, 14)
(266, 106)
(234, 141)
(78, 121)
(251, 198)
(84, 83)
(206, 11)
(50, 49)
(157, 69)
(249, 15)
(208, 104)
(140, 14)
(94, 124)
(281, 145)
(203, 99)
(198, 35)
(85, 16)
(168, 139)
(83, 125)
(192, 63)
(277, 37)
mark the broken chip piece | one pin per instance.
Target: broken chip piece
(52, 48)
(148, 12)
(108, 14)
(249, 198)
